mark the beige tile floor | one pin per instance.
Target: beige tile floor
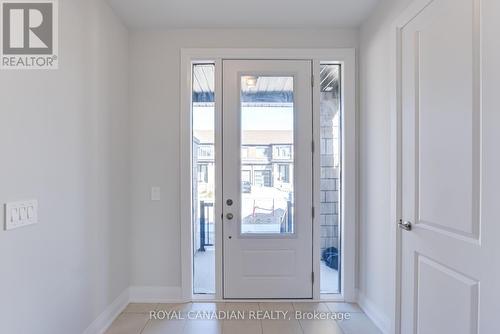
(135, 319)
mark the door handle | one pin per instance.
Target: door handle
(405, 225)
(229, 216)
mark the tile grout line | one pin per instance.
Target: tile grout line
(144, 327)
(147, 322)
(300, 324)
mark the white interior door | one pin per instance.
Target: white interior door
(267, 179)
(449, 272)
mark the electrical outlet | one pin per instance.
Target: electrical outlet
(19, 214)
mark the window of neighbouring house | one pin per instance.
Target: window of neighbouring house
(284, 173)
(203, 173)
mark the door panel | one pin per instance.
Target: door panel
(440, 285)
(447, 115)
(267, 222)
(441, 175)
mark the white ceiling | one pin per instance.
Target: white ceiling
(243, 13)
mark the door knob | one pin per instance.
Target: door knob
(229, 216)
(405, 225)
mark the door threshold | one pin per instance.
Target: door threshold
(323, 298)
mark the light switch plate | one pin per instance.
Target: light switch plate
(19, 214)
(155, 193)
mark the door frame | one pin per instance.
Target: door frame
(344, 56)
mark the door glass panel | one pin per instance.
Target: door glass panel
(203, 191)
(267, 155)
(330, 163)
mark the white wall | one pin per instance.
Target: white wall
(154, 89)
(376, 266)
(64, 138)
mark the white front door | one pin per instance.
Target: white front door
(267, 179)
(450, 146)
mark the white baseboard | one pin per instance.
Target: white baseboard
(371, 310)
(133, 294)
(155, 294)
(106, 318)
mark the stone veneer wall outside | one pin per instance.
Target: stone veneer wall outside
(330, 171)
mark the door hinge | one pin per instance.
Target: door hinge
(312, 80)
(312, 276)
(312, 146)
(312, 211)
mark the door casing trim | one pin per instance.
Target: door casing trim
(344, 56)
